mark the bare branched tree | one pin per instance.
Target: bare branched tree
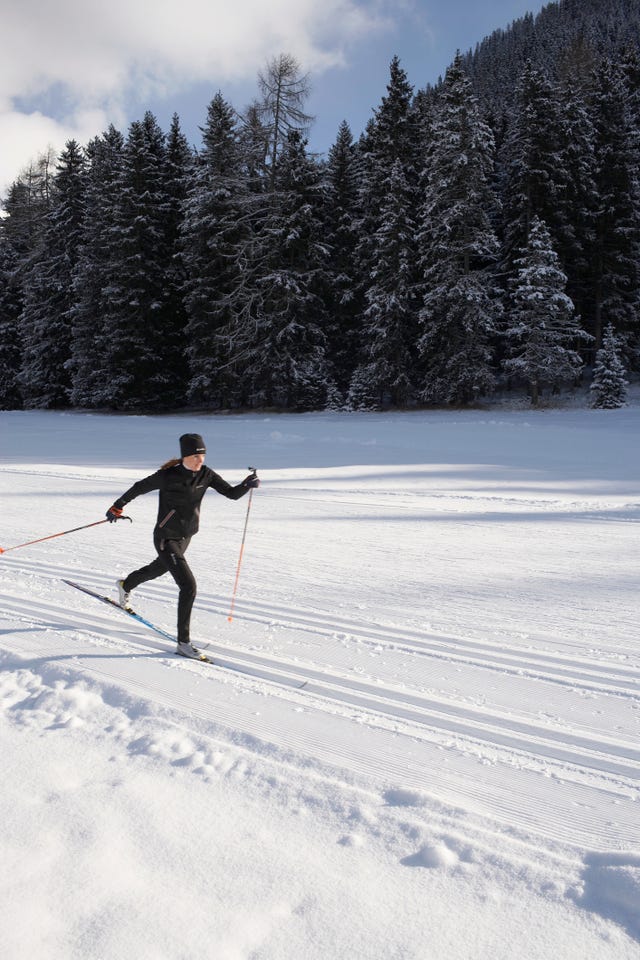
(283, 90)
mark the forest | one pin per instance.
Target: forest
(481, 236)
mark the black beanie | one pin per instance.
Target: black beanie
(191, 443)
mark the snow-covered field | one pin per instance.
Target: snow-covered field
(458, 779)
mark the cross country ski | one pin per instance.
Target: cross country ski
(279, 679)
(131, 613)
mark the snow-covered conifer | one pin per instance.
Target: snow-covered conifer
(542, 331)
(45, 320)
(535, 174)
(95, 271)
(138, 347)
(282, 344)
(609, 384)
(10, 309)
(387, 329)
(215, 233)
(344, 302)
(21, 238)
(458, 249)
(391, 135)
(615, 253)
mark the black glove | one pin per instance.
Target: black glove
(113, 514)
(251, 481)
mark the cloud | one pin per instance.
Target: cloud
(70, 68)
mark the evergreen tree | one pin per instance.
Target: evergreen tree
(10, 309)
(95, 272)
(21, 236)
(343, 304)
(384, 376)
(392, 134)
(615, 254)
(45, 321)
(535, 174)
(458, 250)
(577, 201)
(140, 343)
(253, 138)
(179, 169)
(542, 331)
(214, 234)
(282, 341)
(609, 384)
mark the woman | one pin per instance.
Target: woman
(182, 484)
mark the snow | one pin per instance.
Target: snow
(459, 776)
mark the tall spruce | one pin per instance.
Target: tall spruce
(577, 201)
(179, 163)
(615, 253)
(341, 213)
(282, 344)
(10, 309)
(458, 250)
(214, 234)
(543, 332)
(46, 317)
(384, 376)
(391, 135)
(95, 272)
(22, 231)
(535, 174)
(140, 343)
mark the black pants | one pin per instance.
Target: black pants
(171, 560)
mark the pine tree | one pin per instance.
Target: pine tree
(609, 384)
(344, 306)
(214, 235)
(281, 345)
(45, 320)
(576, 215)
(535, 174)
(140, 344)
(392, 134)
(10, 309)
(95, 272)
(179, 171)
(384, 376)
(458, 251)
(542, 331)
(21, 237)
(615, 253)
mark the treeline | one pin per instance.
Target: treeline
(459, 246)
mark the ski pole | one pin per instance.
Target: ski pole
(52, 536)
(244, 535)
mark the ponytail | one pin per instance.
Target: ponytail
(171, 463)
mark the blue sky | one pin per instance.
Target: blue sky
(70, 68)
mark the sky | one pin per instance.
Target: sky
(69, 69)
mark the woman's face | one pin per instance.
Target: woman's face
(194, 462)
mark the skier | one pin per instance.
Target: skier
(181, 483)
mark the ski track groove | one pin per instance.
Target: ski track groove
(449, 647)
(445, 780)
(431, 728)
(595, 753)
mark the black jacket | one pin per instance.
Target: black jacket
(181, 491)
